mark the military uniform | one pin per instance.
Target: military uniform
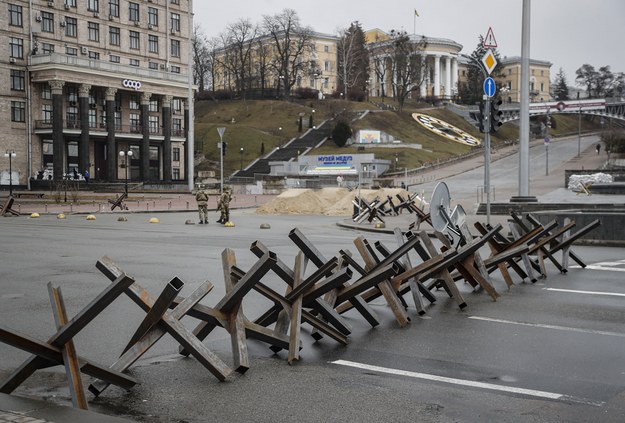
(224, 206)
(202, 205)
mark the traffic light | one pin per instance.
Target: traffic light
(481, 117)
(495, 115)
(223, 148)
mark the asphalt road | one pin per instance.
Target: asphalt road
(545, 352)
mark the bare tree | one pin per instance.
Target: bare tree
(353, 61)
(241, 37)
(293, 47)
(407, 66)
(201, 61)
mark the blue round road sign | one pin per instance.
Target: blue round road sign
(490, 87)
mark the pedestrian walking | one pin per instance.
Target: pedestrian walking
(87, 176)
(598, 148)
(202, 205)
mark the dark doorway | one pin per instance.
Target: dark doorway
(100, 163)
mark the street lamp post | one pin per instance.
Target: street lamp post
(241, 158)
(221, 130)
(10, 154)
(127, 154)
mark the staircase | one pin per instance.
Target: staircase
(289, 151)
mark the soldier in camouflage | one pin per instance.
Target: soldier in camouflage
(202, 205)
(224, 206)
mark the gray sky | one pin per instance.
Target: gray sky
(568, 33)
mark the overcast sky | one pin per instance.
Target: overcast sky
(568, 33)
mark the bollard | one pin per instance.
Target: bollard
(147, 206)
(99, 208)
(169, 205)
(187, 205)
(71, 208)
(46, 208)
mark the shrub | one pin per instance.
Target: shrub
(341, 133)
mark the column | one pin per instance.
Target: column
(426, 76)
(111, 150)
(145, 141)
(186, 137)
(437, 76)
(454, 75)
(83, 145)
(58, 142)
(167, 138)
(447, 76)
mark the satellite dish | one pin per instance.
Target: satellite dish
(439, 207)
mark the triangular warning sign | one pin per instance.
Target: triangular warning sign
(489, 41)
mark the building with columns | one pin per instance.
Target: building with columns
(86, 80)
(439, 58)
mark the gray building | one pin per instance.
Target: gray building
(88, 80)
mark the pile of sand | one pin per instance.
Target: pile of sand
(327, 201)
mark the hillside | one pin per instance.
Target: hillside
(255, 127)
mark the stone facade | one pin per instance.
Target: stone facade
(70, 65)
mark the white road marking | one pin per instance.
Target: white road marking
(539, 325)
(470, 383)
(602, 266)
(575, 291)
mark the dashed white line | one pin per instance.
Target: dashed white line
(543, 326)
(464, 382)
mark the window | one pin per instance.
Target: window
(542, 86)
(94, 31)
(118, 120)
(154, 125)
(71, 51)
(153, 65)
(94, 55)
(15, 15)
(176, 104)
(71, 27)
(46, 92)
(175, 174)
(103, 118)
(113, 58)
(327, 65)
(18, 111)
(47, 22)
(175, 48)
(175, 22)
(46, 113)
(176, 127)
(153, 106)
(133, 102)
(114, 8)
(133, 11)
(70, 3)
(72, 117)
(72, 95)
(18, 80)
(93, 118)
(176, 154)
(16, 46)
(509, 71)
(47, 48)
(175, 69)
(134, 62)
(175, 1)
(326, 49)
(93, 5)
(114, 36)
(134, 40)
(153, 43)
(153, 16)
(135, 122)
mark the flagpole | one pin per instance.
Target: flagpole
(414, 25)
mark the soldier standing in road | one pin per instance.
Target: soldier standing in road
(202, 205)
(224, 206)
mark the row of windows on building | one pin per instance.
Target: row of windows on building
(16, 44)
(16, 17)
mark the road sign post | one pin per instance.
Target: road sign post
(221, 131)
